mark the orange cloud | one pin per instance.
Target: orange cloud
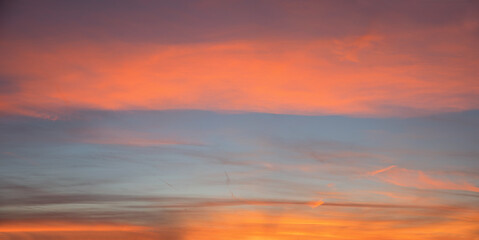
(294, 77)
(287, 225)
(418, 179)
(330, 222)
(316, 204)
(381, 170)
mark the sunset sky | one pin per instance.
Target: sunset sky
(249, 120)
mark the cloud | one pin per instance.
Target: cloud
(316, 204)
(38, 215)
(265, 224)
(387, 59)
(192, 77)
(168, 202)
(62, 227)
(381, 170)
(419, 179)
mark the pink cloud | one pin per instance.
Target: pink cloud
(419, 179)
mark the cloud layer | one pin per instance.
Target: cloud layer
(294, 58)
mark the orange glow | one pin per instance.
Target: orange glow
(327, 224)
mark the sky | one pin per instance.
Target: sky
(208, 119)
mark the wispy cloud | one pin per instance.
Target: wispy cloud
(419, 179)
(381, 170)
